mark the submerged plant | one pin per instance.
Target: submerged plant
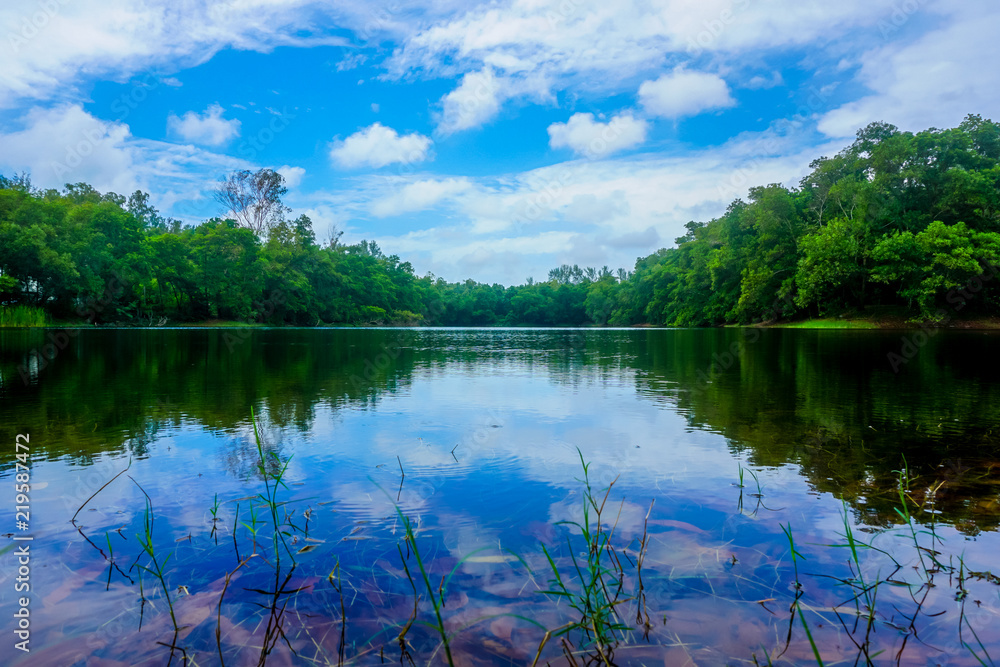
(593, 587)
(436, 596)
(155, 567)
(270, 496)
(590, 578)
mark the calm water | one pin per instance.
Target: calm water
(486, 425)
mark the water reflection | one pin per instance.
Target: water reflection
(827, 401)
(477, 435)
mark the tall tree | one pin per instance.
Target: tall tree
(254, 198)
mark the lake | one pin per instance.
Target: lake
(776, 495)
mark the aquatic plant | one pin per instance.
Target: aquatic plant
(436, 597)
(155, 566)
(592, 576)
(863, 586)
(593, 587)
(22, 316)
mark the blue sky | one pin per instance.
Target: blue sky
(490, 141)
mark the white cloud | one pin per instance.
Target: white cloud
(585, 136)
(65, 144)
(377, 146)
(592, 49)
(684, 93)
(764, 82)
(326, 220)
(648, 238)
(542, 243)
(293, 175)
(209, 128)
(475, 102)
(601, 212)
(352, 61)
(419, 196)
(932, 82)
(588, 209)
(600, 46)
(49, 48)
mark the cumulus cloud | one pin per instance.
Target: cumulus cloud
(66, 144)
(293, 175)
(419, 196)
(683, 93)
(209, 128)
(590, 48)
(601, 211)
(377, 146)
(474, 102)
(585, 136)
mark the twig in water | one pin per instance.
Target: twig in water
(73, 520)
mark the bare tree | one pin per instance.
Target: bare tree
(334, 237)
(254, 198)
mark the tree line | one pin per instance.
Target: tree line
(903, 221)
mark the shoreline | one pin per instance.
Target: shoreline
(885, 324)
(827, 323)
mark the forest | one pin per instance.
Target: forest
(899, 222)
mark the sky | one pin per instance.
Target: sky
(491, 141)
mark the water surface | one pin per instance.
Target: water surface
(489, 426)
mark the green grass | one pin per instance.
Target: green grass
(222, 324)
(827, 323)
(22, 316)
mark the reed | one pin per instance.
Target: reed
(272, 481)
(871, 611)
(22, 316)
(436, 596)
(589, 576)
(214, 509)
(155, 567)
(794, 552)
(593, 587)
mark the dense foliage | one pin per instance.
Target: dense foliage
(895, 220)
